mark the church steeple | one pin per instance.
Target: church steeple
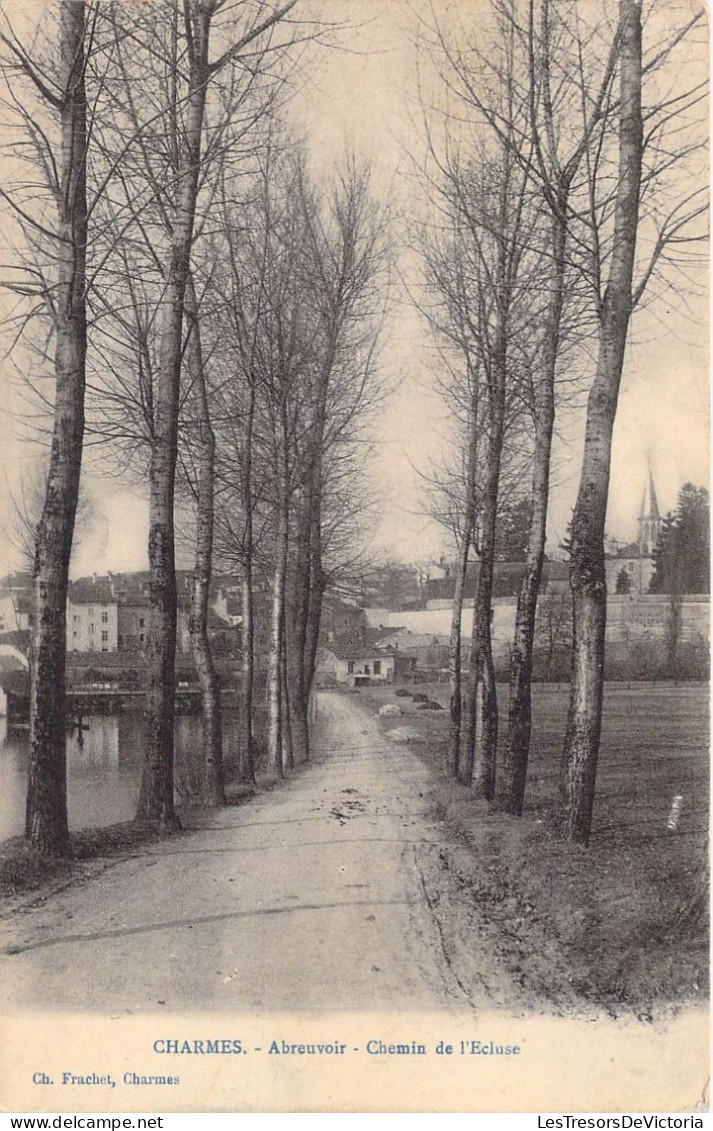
(649, 518)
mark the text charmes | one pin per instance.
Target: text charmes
(373, 1047)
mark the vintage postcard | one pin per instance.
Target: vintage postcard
(355, 564)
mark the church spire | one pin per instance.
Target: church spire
(649, 502)
(649, 518)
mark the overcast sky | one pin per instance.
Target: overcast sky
(362, 99)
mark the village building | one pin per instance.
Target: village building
(417, 651)
(227, 605)
(92, 618)
(340, 617)
(507, 577)
(355, 659)
(629, 568)
(111, 613)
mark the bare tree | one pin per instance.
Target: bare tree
(652, 141)
(345, 254)
(456, 501)
(239, 496)
(558, 72)
(299, 358)
(59, 86)
(169, 163)
(554, 175)
(158, 804)
(587, 572)
(213, 785)
(482, 109)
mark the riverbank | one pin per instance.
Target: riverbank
(104, 770)
(622, 924)
(29, 876)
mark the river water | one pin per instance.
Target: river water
(104, 770)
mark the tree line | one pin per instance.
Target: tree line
(207, 311)
(564, 188)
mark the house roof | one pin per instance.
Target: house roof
(133, 600)
(91, 593)
(403, 640)
(631, 550)
(506, 579)
(100, 592)
(132, 589)
(360, 644)
(22, 580)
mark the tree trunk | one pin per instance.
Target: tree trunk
(455, 656)
(274, 682)
(466, 756)
(213, 782)
(587, 575)
(275, 665)
(46, 824)
(313, 590)
(520, 707)
(455, 649)
(482, 736)
(246, 755)
(487, 739)
(314, 616)
(296, 639)
(288, 753)
(157, 803)
(309, 582)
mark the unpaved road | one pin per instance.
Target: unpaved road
(309, 897)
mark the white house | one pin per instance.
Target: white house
(92, 618)
(355, 661)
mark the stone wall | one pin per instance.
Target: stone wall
(637, 618)
(630, 619)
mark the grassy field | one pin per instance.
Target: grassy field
(622, 923)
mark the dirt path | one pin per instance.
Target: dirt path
(309, 897)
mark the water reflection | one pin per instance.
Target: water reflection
(103, 768)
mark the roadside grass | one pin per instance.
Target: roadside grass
(624, 922)
(25, 872)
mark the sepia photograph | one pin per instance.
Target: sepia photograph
(354, 556)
